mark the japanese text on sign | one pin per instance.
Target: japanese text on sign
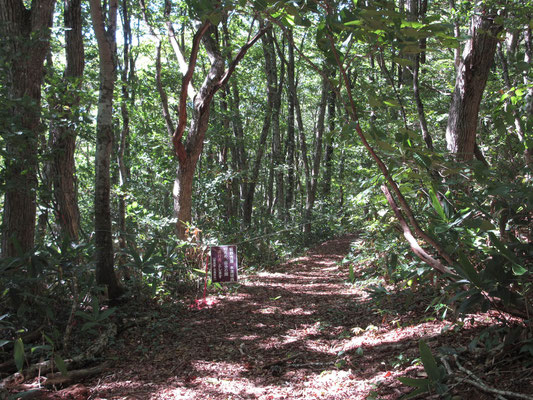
(224, 265)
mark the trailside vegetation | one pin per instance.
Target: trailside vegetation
(136, 134)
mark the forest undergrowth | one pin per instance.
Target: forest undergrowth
(315, 327)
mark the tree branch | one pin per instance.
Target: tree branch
(177, 50)
(419, 251)
(240, 55)
(162, 93)
(179, 149)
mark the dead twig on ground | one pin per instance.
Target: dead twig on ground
(473, 380)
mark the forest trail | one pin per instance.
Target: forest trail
(296, 331)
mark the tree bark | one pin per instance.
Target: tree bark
(62, 132)
(276, 199)
(127, 77)
(105, 36)
(470, 82)
(25, 37)
(290, 143)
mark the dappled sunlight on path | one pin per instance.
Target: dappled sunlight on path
(296, 331)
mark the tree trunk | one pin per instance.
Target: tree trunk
(105, 273)
(328, 154)
(420, 106)
(275, 198)
(270, 72)
(63, 136)
(24, 36)
(183, 184)
(317, 157)
(189, 152)
(127, 77)
(290, 144)
(470, 83)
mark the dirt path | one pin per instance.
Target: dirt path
(295, 332)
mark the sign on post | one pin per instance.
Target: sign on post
(224, 263)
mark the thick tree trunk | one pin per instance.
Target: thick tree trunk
(24, 36)
(63, 136)
(105, 273)
(183, 185)
(470, 83)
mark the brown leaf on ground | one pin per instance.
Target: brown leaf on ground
(294, 331)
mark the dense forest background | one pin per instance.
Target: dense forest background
(136, 134)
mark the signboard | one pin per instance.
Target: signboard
(224, 263)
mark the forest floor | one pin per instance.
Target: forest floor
(295, 331)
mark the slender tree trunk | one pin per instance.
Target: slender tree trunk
(278, 202)
(420, 106)
(457, 34)
(306, 189)
(127, 78)
(24, 37)
(239, 152)
(470, 83)
(290, 143)
(317, 157)
(234, 121)
(270, 72)
(63, 136)
(519, 130)
(105, 35)
(328, 154)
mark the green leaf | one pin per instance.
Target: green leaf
(418, 383)
(436, 203)
(106, 313)
(46, 347)
(469, 272)
(430, 365)
(469, 303)
(18, 353)
(84, 315)
(519, 270)
(199, 271)
(416, 392)
(60, 364)
(88, 325)
(357, 22)
(385, 146)
(404, 62)
(504, 251)
(4, 342)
